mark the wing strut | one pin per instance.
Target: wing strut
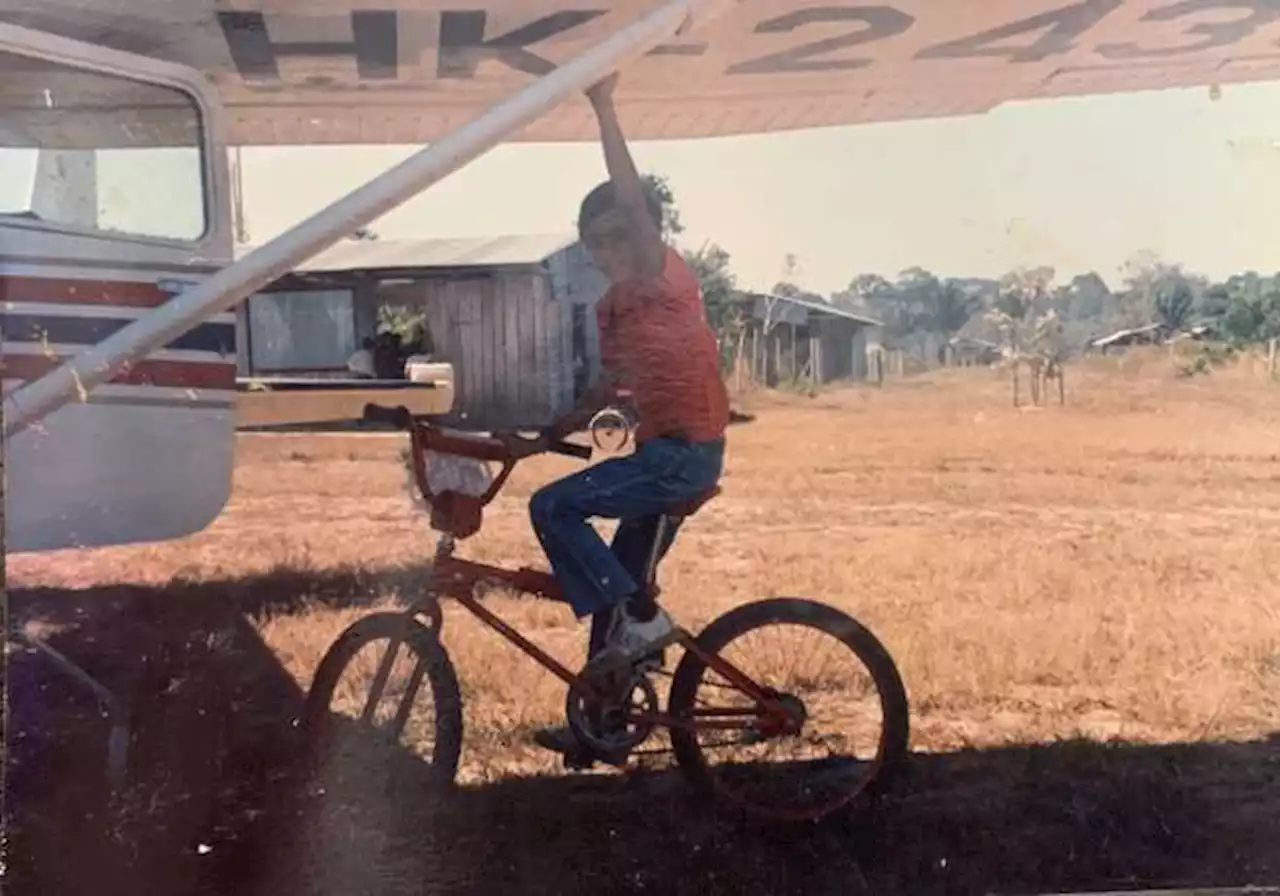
(385, 192)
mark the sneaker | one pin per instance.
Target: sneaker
(559, 739)
(632, 640)
(576, 754)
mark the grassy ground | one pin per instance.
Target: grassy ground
(1081, 599)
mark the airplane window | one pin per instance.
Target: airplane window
(99, 152)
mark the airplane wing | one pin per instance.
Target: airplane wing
(408, 71)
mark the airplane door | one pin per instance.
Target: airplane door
(114, 195)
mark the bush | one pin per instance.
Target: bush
(1207, 357)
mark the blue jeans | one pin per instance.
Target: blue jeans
(635, 490)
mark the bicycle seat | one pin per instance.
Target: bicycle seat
(693, 505)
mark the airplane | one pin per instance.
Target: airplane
(117, 269)
(118, 351)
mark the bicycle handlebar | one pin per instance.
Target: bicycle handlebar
(569, 449)
(485, 447)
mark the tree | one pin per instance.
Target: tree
(1020, 304)
(1086, 297)
(953, 307)
(657, 185)
(862, 294)
(1174, 303)
(1246, 308)
(1022, 292)
(711, 264)
(719, 285)
(1146, 277)
(866, 287)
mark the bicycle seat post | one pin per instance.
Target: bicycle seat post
(655, 553)
(444, 547)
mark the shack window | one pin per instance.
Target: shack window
(297, 332)
(102, 153)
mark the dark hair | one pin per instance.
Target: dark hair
(601, 200)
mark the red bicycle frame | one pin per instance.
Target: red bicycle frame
(460, 579)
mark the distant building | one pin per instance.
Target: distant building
(794, 339)
(969, 351)
(1151, 334)
(512, 314)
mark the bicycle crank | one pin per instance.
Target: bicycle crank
(606, 724)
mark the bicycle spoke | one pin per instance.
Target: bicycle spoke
(410, 694)
(380, 681)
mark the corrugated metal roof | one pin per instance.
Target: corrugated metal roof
(485, 252)
(815, 307)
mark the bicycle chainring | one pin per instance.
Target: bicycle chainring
(602, 724)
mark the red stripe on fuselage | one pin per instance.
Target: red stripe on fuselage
(174, 374)
(61, 291)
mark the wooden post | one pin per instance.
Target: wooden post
(1273, 357)
(791, 366)
(737, 357)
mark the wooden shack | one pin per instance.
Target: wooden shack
(511, 314)
(790, 339)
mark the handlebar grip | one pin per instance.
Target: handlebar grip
(397, 416)
(569, 449)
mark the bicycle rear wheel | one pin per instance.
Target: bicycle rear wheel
(868, 704)
(366, 708)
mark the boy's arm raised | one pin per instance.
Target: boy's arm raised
(628, 189)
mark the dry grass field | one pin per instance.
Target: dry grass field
(1084, 603)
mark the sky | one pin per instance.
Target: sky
(1079, 183)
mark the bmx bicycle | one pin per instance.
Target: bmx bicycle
(616, 712)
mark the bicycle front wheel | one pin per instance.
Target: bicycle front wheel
(838, 684)
(385, 693)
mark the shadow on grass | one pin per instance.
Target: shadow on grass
(217, 804)
(1071, 816)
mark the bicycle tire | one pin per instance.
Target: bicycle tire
(439, 674)
(895, 713)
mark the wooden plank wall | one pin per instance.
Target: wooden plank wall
(836, 355)
(508, 342)
(576, 281)
(838, 345)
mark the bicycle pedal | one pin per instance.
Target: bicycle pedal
(652, 662)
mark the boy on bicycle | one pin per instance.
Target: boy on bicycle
(654, 341)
